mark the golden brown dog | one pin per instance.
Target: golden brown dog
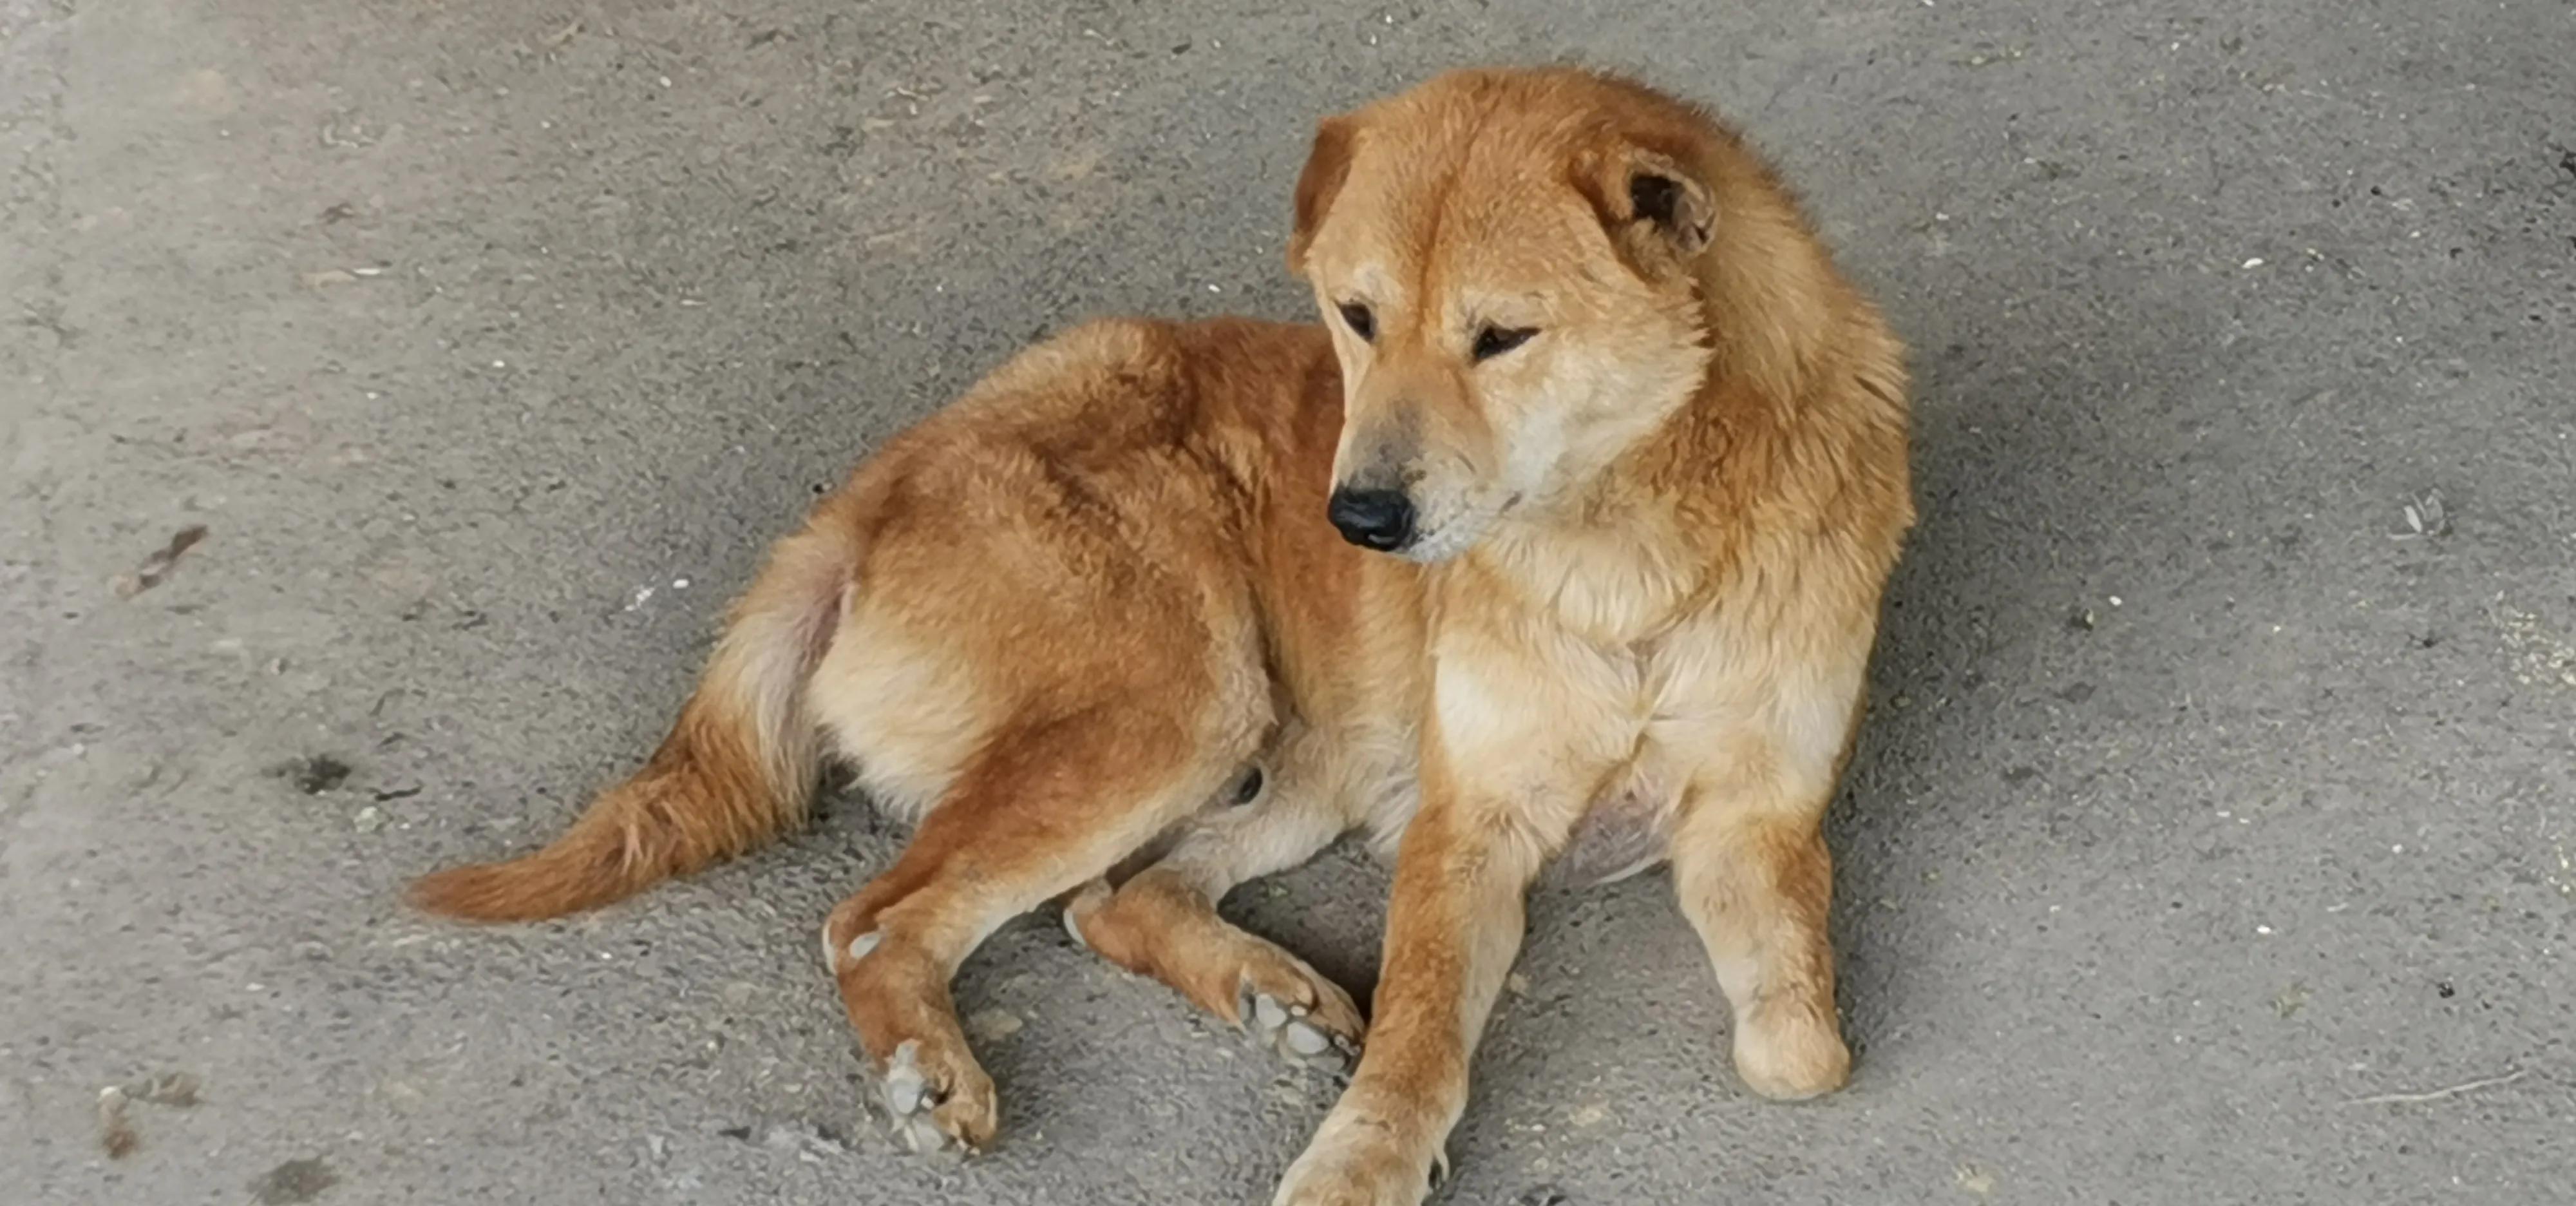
(1626, 460)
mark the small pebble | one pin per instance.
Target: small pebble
(115, 1135)
(993, 1025)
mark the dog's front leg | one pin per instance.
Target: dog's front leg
(1753, 875)
(1453, 927)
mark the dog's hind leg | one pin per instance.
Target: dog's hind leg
(1044, 808)
(1162, 922)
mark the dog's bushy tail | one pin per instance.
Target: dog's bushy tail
(738, 768)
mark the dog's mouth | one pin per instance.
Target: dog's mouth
(1436, 547)
(1451, 536)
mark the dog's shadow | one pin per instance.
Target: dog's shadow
(2021, 398)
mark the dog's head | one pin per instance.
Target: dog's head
(1509, 262)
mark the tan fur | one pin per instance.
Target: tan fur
(1059, 619)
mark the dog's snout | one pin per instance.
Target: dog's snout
(1373, 519)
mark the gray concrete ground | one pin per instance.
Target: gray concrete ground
(2210, 799)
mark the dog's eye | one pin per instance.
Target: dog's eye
(1363, 323)
(1494, 341)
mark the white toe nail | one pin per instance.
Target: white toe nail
(861, 945)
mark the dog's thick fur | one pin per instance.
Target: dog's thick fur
(1650, 453)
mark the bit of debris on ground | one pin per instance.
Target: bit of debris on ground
(2540, 657)
(2426, 518)
(2441, 1094)
(993, 1025)
(157, 568)
(116, 1133)
(167, 1088)
(313, 774)
(293, 1182)
(809, 1142)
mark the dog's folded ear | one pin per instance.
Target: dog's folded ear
(1326, 167)
(1656, 207)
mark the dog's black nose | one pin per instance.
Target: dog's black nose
(1373, 519)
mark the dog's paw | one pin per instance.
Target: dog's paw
(937, 1103)
(1306, 1019)
(1787, 1053)
(1355, 1162)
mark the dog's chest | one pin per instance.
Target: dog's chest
(1624, 830)
(1674, 704)
(1627, 826)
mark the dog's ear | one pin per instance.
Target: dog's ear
(1326, 167)
(1654, 205)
